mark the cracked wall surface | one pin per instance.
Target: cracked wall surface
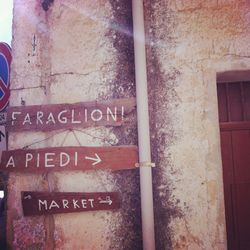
(188, 42)
(75, 51)
(83, 51)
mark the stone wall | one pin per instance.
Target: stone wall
(83, 51)
(188, 42)
(75, 51)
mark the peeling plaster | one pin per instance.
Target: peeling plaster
(186, 40)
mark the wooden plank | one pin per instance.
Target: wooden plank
(42, 203)
(228, 179)
(235, 102)
(235, 125)
(69, 158)
(66, 116)
(222, 102)
(233, 76)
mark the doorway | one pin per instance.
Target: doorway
(234, 118)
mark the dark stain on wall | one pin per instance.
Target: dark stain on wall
(127, 232)
(3, 210)
(161, 88)
(29, 233)
(121, 35)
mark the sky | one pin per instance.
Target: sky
(6, 20)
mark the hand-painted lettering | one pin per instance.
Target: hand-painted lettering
(84, 203)
(64, 159)
(57, 116)
(53, 204)
(28, 158)
(112, 114)
(27, 119)
(39, 203)
(75, 203)
(47, 160)
(94, 117)
(38, 160)
(10, 162)
(51, 118)
(39, 116)
(91, 202)
(61, 119)
(73, 117)
(13, 117)
(65, 203)
(42, 203)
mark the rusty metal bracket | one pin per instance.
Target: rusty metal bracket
(145, 164)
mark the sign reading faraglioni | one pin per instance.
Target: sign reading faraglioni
(63, 116)
(69, 158)
(42, 203)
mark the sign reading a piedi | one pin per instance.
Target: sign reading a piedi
(69, 158)
(42, 203)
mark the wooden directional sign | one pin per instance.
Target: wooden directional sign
(42, 203)
(69, 158)
(63, 116)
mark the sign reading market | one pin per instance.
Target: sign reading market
(65, 116)
(42, 203)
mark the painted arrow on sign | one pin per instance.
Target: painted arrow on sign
(69, 158)
(106, 201)
(95, 160)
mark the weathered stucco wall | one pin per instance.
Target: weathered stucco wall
(83, 51)
(76, 51)
(188, 42)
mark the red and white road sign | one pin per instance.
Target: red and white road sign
(5, 61)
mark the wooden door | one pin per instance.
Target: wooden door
(234, 115)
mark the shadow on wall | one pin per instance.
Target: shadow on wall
(2, 223)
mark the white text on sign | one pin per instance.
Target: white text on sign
(63, 116)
